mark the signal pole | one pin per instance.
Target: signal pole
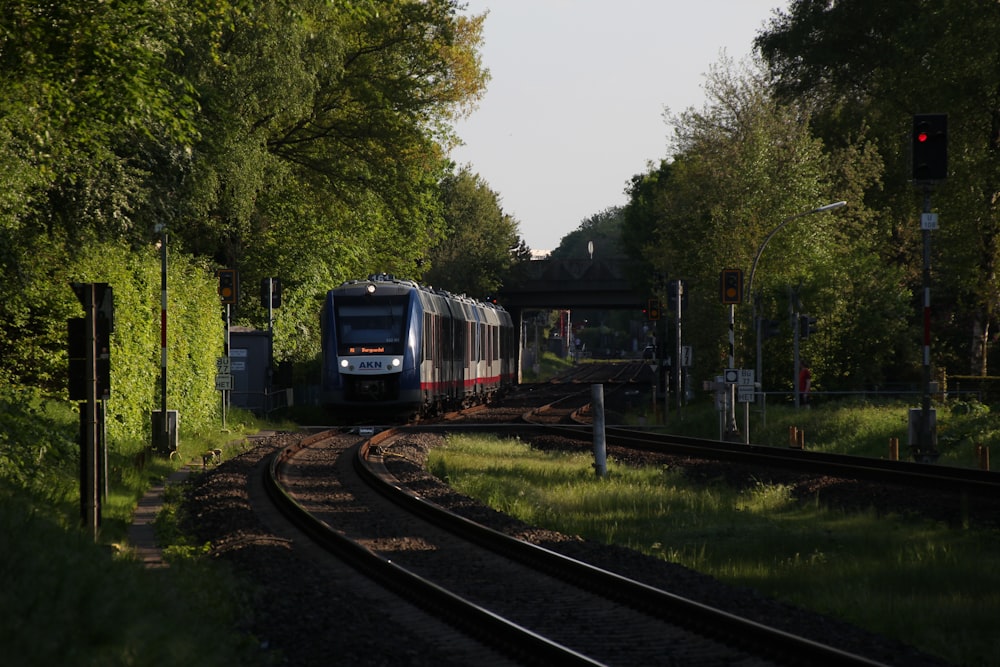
(926, 443)
(678, 352)
(161, 429)
(930, 165)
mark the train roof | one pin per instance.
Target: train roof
(404, 284)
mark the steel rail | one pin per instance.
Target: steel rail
(489, 628)
(925, 475)
(695, 616)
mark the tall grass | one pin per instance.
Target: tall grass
(848, 426)
(67, 600)
(931, 585)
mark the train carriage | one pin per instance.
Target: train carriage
(393, 344)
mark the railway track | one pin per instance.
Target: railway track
(570, 395)
(313, 616)
(571, 413)
(530, 603)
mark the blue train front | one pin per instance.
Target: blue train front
(394, 345)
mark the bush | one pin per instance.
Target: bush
(195, 337)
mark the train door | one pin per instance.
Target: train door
(428, 367)
(481, 369)
(439, 353)
(458, 354)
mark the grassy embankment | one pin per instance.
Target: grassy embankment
(934, 586)
(68, 600)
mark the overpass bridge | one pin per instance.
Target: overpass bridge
(567, 284)
(598, 284)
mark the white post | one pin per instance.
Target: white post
(600, 443)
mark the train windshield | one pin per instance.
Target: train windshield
(365, 326)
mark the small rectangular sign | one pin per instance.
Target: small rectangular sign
(929, 221)
(223, 382)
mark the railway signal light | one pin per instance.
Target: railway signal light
(653, 312)
(930, 147)
(770, 328)
(270, 292)
(229, 286)
(807, 326)
(731, 286)
(89, 339)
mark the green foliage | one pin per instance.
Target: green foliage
(864, 68)
(744, 166)
(194, 338)
(602, 229)
(479, 243)
(304, 141)
(39, 454)
(548, 367)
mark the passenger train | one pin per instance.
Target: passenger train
(395, 345)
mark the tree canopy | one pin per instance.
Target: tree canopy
(864, 67)
(825, 115)
(742, 165)
(306, 140)
(480, 244)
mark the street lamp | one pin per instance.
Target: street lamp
(749, 289)
(820, 209)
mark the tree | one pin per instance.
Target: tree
(81, 85)
(603, 229)
(480, 244)
(876, 64)
(303, 139)
(741, 165)
(353, 102)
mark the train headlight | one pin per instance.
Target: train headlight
(396, 362)
(344, 363)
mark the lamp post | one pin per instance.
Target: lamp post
(161, 436)
(749, 289)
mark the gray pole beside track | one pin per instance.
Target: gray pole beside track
(600, 441)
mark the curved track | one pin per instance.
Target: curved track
(514, 602)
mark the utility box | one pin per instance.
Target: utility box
(165, 443)
(250, 366)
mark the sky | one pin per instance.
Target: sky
(575, 105)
